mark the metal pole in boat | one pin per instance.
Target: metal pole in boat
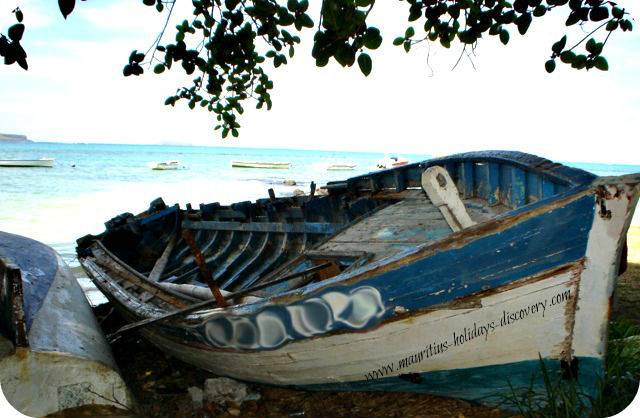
(204, 269)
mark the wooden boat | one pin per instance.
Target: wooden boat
(341, 167)
(42, 162)
(260, 164)
(453, 276)
(53, 355)
(166, 165)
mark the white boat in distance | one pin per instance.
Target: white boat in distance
(260, 164)
(391, 162)
(341, 167)
(42, 162)
(166, 165)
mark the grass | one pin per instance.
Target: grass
(563, 398)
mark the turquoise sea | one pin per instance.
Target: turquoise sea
(91, 183)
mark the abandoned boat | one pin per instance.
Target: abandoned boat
(455, 276)
(53, 356)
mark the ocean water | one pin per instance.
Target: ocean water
(91, 183)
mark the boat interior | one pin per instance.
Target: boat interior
(294, 241)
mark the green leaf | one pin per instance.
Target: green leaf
(626, 25)
(504, 36)
(287, 19)
(305, 20)
(66, 7)
(567, 57)
(617, 12)
(234, 132)
(398, 41)
(523, 22)
(612, 25)
(292, 5)
(15, 32)
(365, 64)
(579, 62)
(409, 32)
(559, 46)
(372, 38)
(407, 46)
(601, 63)
(599, 13)
(159, 69)
(550, 66)
(539, 11)
(19, 15)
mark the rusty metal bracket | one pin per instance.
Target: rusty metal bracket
(205, 273)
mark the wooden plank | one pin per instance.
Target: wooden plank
(443, 192)
(294, 228)
(487, 182)
(518, 187)
(256, 255)
(106, 259)
(534, 187)
(161, 263)
(548, 188)
(466, 179)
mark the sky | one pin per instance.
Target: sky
(74, 91)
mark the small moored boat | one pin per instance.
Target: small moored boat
(53, 355)
(455, 276)
(42, 162)
(260, 164)
(341, 167)
(391, 162)
(166, 165)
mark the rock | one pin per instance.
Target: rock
(298, 192)
(222, 389)
(322, 191)
(197, 396)
(289, 182)
(253, 397)
(233, 412)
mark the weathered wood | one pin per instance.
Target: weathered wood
(208, 303)
(161, 263)
(294, 228)
(444, 194)
(107, 259)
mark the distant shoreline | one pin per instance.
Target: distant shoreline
(13, 138)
